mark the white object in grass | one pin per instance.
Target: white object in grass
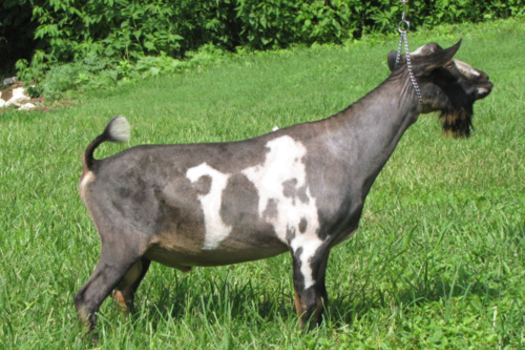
(18, 97)
(27, 107)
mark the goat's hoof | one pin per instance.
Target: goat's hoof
(94, 338)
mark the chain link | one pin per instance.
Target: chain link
(411, 71)
(403, 27)
(399, 48)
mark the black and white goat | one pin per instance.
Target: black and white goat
(300, 189)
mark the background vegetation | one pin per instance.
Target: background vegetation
(438, 262)
(40, 34)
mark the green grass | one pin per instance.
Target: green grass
(438, 262)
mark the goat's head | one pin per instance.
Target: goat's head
(447, 85)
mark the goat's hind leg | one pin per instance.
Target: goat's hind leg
(113, 265)
(124, 294)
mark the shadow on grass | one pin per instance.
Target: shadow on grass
(220, 300)
(345, 309)
(217, 302)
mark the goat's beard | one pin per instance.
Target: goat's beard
(457, 122)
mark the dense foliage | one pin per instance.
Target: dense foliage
(115, 34)
(131, 28)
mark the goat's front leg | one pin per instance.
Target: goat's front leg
(309, 285)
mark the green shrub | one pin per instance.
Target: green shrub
(94, 72)
(131, 28)
(128, 30)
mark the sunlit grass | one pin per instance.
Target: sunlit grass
(438, 262)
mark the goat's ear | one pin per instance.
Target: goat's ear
(392, 60)
(426, 64)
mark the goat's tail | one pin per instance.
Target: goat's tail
(117, 130)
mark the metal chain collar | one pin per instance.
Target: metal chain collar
(403, 27)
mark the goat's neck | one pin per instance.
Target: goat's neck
(372, 127)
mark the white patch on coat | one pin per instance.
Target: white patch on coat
(88, 177)
(216, 229)
(466, 69)
(284, 163)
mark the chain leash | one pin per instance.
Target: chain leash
(402, 28)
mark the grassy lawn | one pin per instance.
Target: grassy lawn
(438, 261)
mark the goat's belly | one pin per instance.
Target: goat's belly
(183, 259)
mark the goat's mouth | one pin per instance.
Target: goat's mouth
(483, 91)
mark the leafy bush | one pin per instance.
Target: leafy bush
(128, 30)
(94, 72)
(131, 28)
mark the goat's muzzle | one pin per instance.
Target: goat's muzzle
(484, 91)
